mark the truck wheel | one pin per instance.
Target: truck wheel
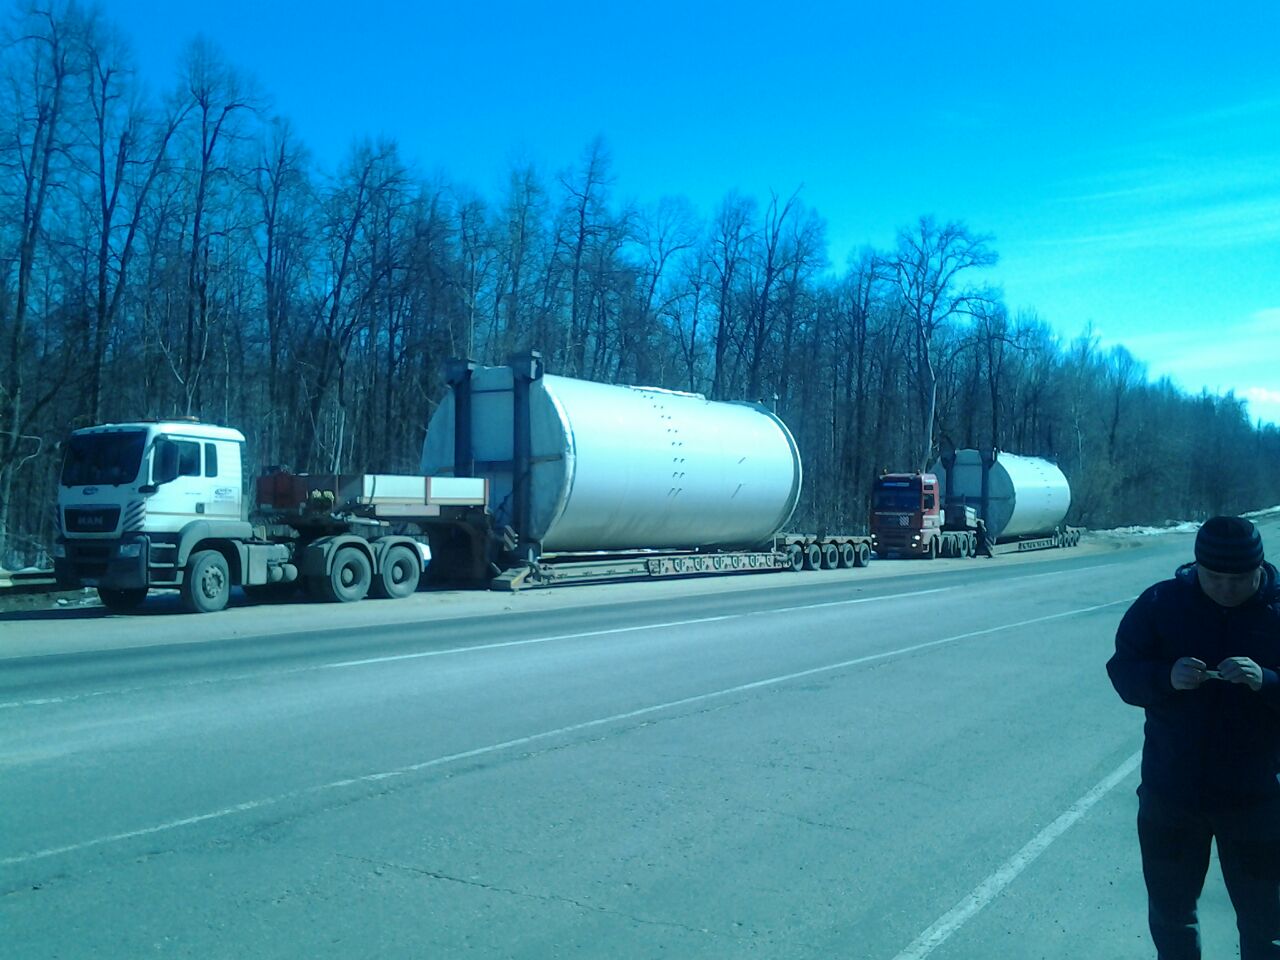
(830, 556)
(398, 575)
(207, 584)
(812, 557)
(350, 577)
(863, 556)
(795, 557)
(848, 555)
(122, 601)
(932, 553)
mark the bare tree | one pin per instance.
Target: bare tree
(806, 256)
(731, 235)
(773, 261)
(129, 152)
(47, 58)
(368, 174)
(479, 257)
(285, 198)
(520, 247)
(928, 267)
(218, 95)
(585, 190)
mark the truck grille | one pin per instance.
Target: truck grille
(91, 519)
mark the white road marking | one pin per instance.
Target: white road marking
(1008, 871)
(616, 630)
(454, 651)
(536, 737)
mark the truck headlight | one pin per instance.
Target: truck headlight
(131, 550)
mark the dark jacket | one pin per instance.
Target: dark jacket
(1219, 743)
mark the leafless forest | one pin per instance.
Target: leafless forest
(171, 248)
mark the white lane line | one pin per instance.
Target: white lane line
(453, 651)
(535, 737)
(617, 630)
(1008, 871)
(45, 701)
(1059, 573)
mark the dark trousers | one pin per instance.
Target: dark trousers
(1175, 857)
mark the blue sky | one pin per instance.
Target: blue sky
(1125, 156)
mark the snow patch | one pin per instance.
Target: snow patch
(1179, 526)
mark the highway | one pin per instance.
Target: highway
(917, 759)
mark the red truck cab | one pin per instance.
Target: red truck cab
(905, 514)
(908, 519)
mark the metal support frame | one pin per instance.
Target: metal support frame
(526, 369)
(458, 373)
(949, 464)
(989, 455)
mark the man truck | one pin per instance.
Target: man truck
(969, 502)
(527, 480)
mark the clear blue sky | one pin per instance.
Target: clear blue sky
(1126, 156)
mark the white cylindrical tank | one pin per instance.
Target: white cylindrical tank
(619, 467)
(1028, 496)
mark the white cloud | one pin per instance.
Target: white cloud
(1192, 225)
(1264, 404)
(1235, 355)
(1262, 395)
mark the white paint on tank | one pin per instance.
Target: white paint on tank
(1028, 496)
(620, 467)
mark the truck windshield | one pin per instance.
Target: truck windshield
(103, 458)
(897, 501)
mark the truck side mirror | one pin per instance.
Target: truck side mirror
(165, 467)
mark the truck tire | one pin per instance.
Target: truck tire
(206, 586)
(971, 546)
(812, 557)
(862, 556)
(932, 553)
(795, 556)
(848, 555)
(830, 556)
(398, 574)
(349, 578)
(122, 601)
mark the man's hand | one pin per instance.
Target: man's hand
(1241, 670)
(1188, 673)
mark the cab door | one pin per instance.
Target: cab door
(177, 473)
(222, 470)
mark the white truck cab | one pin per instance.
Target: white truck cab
(163, 505)
(135, 498)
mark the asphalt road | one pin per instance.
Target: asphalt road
(919, 759)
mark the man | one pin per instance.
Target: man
(984, 542)
(1200, 653)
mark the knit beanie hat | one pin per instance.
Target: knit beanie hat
(1229, 545)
